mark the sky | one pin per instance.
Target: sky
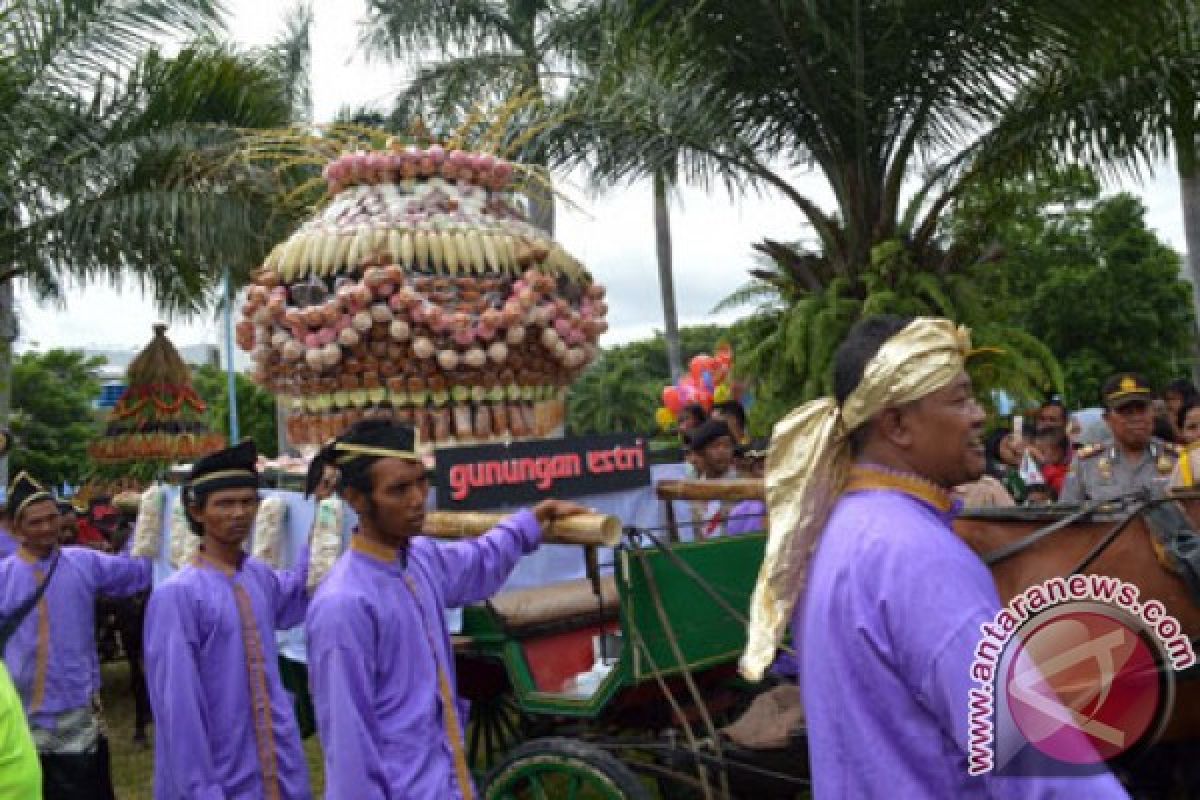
(612, 234)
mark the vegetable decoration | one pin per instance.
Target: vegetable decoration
(421, 292)
(159, 417)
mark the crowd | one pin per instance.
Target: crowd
(381, 666)
(862, 490)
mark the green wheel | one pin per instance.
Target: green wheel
(562, 769)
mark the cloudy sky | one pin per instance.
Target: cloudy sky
(612, 233)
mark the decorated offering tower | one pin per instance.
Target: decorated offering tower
(159, 417)
(421, 291)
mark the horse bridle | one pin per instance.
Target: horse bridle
(1142, 500)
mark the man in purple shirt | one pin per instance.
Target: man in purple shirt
(380, 662)
(52, 654)
(224, 726)
(892, 601)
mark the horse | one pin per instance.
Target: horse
(1018, 560)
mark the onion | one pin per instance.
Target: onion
(326, 336)
(563, 327)
(331, 354)
(348, 338)
(475, 358)
(447, 359)
(374, 276)
(314, 358)
(515, 335)
(550, 338)
(498, 352)
(312, 341)
(422, 347)
(279, 339)
(464, 337)
(363, 321)
(292, 350)
(381, 313)
(399, 330)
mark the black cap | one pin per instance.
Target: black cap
(25, 490)
(232, 468)
(1124, 388)
(376, 438)
(703, 435)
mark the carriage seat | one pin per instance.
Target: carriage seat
(555, 602)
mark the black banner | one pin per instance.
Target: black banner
(500, 476)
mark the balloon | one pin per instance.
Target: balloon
(671, 399)
(721, 394)
(707, 378)
(724, 353)
(688, 382)
(687, 394)
(705, 399)
(665, 418)
(699, 365)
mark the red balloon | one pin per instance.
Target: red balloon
(699, 365)
(705, 399)
(671, 399)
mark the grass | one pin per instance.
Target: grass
(133, 767)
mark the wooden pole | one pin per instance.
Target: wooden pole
(730, 490)
(583, 529)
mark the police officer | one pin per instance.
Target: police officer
(1133, 459)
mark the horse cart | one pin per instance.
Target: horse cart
(617, 685)
(621, 684)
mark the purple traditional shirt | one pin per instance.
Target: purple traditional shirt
(52, 656)
(8, 543)
(224, 728)
(377, 648)
(748, 516)
(887, 629)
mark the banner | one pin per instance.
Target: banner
(498, 476)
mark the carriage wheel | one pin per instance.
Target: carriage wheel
(562, 769)
(497, 725)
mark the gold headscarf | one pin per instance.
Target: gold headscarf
(809, 459)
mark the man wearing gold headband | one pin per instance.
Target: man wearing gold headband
(379, 655)
(52, 654)
(224, 726)
(891, 601)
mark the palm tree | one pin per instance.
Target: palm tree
(868, 96)
(1123, 100)
(118, 161)
(492, 50)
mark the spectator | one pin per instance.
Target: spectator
(734, 415)
(1180, 392)
(1188, 422)
(749, 516)
(712, 448)
(1051, 414)
(1053, 452)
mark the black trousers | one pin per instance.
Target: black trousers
(77, 776)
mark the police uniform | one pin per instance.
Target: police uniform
(1103, 472)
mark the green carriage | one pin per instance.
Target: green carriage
(617, 684)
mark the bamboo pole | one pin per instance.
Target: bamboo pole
(583, 529)
(730, 490)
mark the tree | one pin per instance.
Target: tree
(867, 96)
(256, 408)
(54, 414)
(491, 52)
(1102, 292)
(1123, 99)
(622, 389)
(117, 160)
